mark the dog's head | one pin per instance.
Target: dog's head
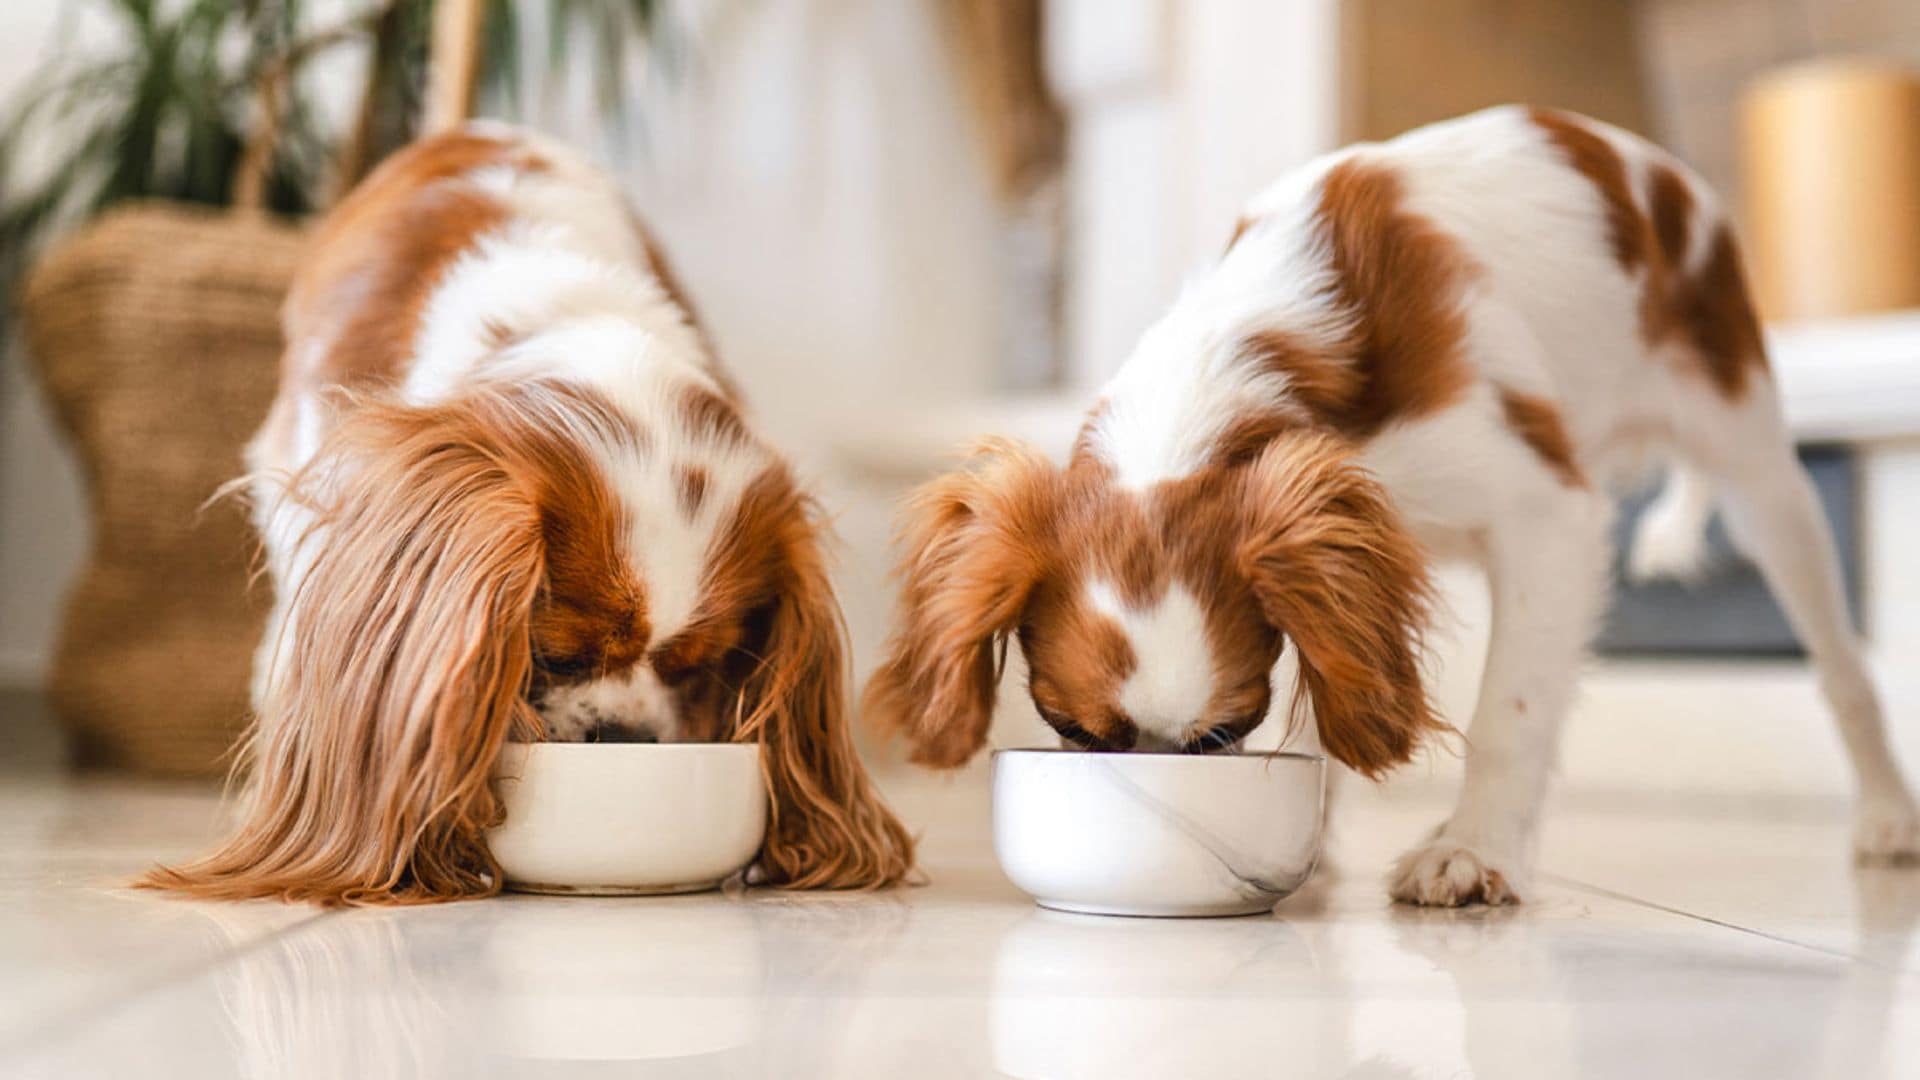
(532, 561)
(1152, 617)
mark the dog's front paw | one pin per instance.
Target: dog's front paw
(1448, 873)
(1887, 833)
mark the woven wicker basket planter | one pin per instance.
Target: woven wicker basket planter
(156, 332)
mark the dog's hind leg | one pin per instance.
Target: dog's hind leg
(1670, 540)
(1775, 518)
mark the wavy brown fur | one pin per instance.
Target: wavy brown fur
(404, 656)
(1337, 573)
(829, 827)
(976, 540)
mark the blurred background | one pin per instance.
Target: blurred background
(908, 223)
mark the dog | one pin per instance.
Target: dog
(506, 492)
(1451, 344)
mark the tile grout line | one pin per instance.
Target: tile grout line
(1654, 905)
(82, 1017)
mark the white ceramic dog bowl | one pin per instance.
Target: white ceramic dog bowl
(627, 818)
(1157, 834)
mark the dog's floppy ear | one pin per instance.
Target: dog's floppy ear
(976, 544)
(829, 828)
(401, 658)
(1334, 570)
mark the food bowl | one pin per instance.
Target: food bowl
(623, 819)
(1157, 834)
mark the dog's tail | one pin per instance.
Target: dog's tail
(1670, 540)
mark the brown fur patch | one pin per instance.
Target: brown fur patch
(1594, 157)
(591, 620)
(1716, 309)
(690, 484)
(379, 255)
(377, 305)
(711, 416)
(1240, 228)
(1248, 433)
(1670, 208)
(1537, 422)
(1707, 310)
(1402, 278)
(498, 335)
(1083, 439)
(1327, 386)
(1083, 658)
(663, 272)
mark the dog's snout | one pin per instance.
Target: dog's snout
(605, 732)
(611, 710)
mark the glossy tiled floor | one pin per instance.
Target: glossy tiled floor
(1698, 941)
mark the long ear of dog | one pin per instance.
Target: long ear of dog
(829, 828)
(975, 542)
(1335, 571)
(401, 665)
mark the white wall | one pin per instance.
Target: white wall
(818, 190)
(1179, 111)
(43, 531)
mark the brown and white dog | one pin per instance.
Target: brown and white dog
(505, 492)
(1452, 343)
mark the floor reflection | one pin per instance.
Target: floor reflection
(1538, 996)
(1870, 1029)
(1086, 995)
(545, 987)
(589, 980)
(355, 995)
(969, 979)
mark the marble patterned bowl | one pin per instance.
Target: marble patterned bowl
(613, 819)
(1157, 834)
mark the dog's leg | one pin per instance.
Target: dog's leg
(1546, 573)
(1671, 539)
(1774, 516)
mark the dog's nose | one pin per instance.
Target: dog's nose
(609, 732)
(1149, 741)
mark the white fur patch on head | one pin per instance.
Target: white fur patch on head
(1172, 680)
(668, 543)
(1188, 380)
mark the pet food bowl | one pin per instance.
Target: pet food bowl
(1157, 834)
(622, 819)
